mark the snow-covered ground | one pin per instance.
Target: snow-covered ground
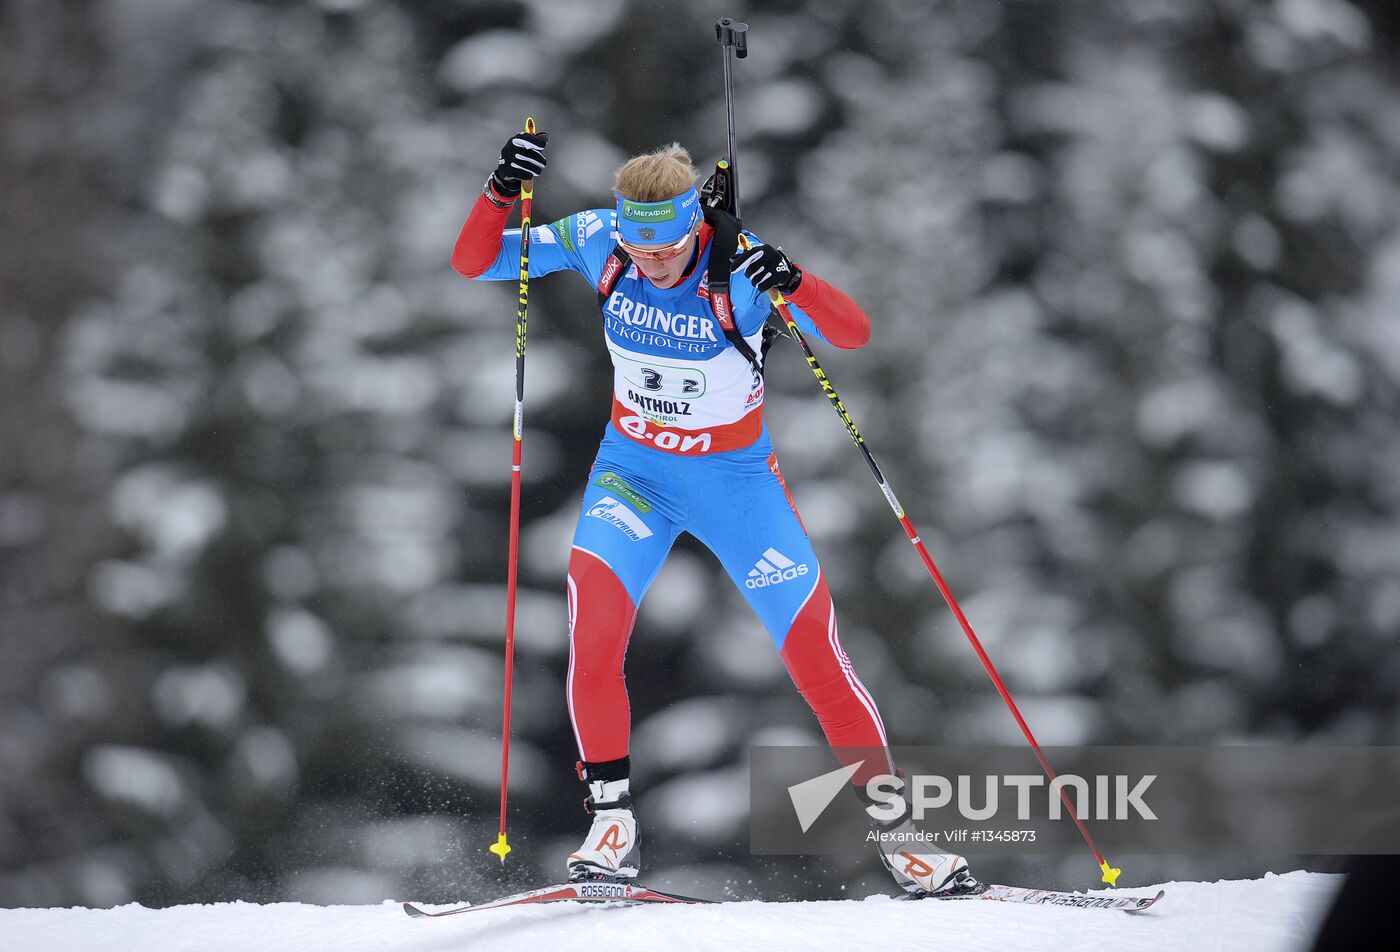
(1262, 915)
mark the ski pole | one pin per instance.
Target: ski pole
(527, 195)
(735, 35)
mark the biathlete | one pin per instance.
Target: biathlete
(684, 303)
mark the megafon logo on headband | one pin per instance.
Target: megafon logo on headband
(651, 211)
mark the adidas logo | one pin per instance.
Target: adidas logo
(773, 569)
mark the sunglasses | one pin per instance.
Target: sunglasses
(657, 254)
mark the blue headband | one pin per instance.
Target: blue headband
(658, 223)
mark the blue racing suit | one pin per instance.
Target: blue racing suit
(686, 451)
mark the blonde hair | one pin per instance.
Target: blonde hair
(656, 176)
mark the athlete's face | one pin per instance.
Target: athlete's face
(666, 272)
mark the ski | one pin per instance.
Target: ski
(635, 894)
(628, 893)
(1050, 897)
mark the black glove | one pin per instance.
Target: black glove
(768, 268)
(522, 158)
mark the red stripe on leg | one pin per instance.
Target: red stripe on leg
(773, 468)
(823, 674)
(601, 615)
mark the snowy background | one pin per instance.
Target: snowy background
(1134, 273)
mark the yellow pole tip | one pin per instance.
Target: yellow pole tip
(723, 164)
(1110, 873)
(500, 847)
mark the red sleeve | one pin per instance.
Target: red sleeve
(480, 240)
(840, 319)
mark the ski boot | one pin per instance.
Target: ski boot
(918, 870)
(610, 851)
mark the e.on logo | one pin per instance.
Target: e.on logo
(663, 438)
